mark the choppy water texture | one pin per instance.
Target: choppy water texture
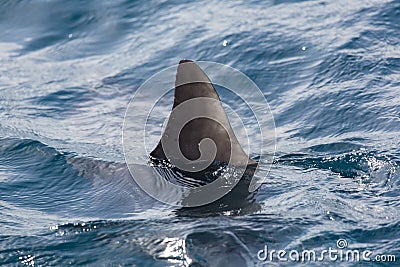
(329, 69)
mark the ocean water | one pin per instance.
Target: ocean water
(330, 71)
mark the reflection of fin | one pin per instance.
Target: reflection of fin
(239, 201)
(191, 82)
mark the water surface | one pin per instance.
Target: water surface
(330, 71)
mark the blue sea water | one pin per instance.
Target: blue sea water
(330, 71)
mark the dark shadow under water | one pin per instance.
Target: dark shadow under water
(116, 178)
(238, 201)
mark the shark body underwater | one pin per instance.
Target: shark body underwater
(237, 201)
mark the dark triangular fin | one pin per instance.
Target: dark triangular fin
(191, 82)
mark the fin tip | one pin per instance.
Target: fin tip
(185, 61)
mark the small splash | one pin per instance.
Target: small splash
(54, 227)
(371, 168)
(74, 228)
(225, 43)
(28, 260)
(174, 251)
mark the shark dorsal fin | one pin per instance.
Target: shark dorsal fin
(192, 83)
